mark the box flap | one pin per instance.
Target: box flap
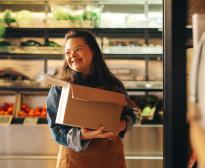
(97, 95)
(49, 79)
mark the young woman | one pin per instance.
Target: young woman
(80, 147)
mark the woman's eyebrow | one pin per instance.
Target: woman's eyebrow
(68, 49)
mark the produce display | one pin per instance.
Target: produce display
(36, 43)
(8, 18)
(30, 43)
(2, 28)
(86, 16)
(26, 111)
(30, 46)
(51, 43)
(6, 108)
(149, 108)
(4, 43)
(12, 75)
(83, 16)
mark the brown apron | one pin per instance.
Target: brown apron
(101, 153)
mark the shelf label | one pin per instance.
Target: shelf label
(30, 121)
(5, 119)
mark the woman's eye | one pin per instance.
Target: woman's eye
(67, 53)
(79, 48)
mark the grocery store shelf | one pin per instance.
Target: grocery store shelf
(128, 157)
(100, 32)
(44, 89)
(30, 56)
(20, 120)
(143, 86)
(24, 88)
(133, 56)
(145, 89)
(138, 2)
(149, 125)
(27, 56)
(129, 85)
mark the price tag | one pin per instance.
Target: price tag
(5, 119)
(30, 121)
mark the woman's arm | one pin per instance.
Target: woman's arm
(130, 118)
(64, 135)
(127, 116)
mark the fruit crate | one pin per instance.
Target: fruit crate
(31, 105)
(7, 103)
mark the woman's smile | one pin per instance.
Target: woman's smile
(76, 60)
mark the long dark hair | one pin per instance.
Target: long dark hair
(100, 75)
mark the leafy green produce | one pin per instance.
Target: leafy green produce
(24, 15)
(2, 29)
(147, 110)
(77, 15)
(61, 13)
(5, 43)
(51, 44)
(93, 13)
(30, 43)
(8, 18)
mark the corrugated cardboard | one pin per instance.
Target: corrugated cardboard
(88, 107)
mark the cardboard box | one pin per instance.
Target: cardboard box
(88, 107)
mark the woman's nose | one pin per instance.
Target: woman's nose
(72, 53)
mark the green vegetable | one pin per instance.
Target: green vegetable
(5, 43)
(30, 43)
(147, 110)
(51, 44)
(2, 28)
(7, 17)
(61, 13)
(23, 15)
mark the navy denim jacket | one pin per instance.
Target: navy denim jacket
(70, 136)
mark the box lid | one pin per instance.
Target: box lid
(84, 93)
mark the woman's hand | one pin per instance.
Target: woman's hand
(98, 133)
(121, 127)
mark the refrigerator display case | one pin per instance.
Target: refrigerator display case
(130, 36)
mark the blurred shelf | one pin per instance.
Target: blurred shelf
(149, 125)
(24, 88)
(19, 120)
(46, 89)
(60, 56)
(100, 32)
(149, 157)
(30, 56)
(104, 2)
(133, 56)
(145, 89)
(144, 86)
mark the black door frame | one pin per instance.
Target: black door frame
(175, 124)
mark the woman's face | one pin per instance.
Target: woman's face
(78, 55)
